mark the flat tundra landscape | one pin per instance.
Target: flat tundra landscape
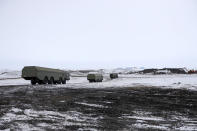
(131, 102)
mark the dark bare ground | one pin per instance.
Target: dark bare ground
(140, 108)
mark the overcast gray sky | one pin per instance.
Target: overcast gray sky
(81, 34)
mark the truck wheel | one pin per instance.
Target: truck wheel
(51, 81)
(92, 81)
(46, 81)
(33, 81)
(64, 81)
(60, 81)
(40, 82)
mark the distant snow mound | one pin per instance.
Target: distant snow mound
(9, 74)
(127, 70)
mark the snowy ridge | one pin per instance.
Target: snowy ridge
(137, 80)
(9, 74)
(126, 70)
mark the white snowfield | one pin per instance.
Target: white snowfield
(162, 81)
(8, 77)
(9, 74)
(134, 80)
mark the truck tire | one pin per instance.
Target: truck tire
(91, 81)
(64, 81)
(33, 81)
(46, 81)
(60, 81)
(51, 81)
(40, 82)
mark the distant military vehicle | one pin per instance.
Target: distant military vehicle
(95, 77)
(43, 75)
(113, 75)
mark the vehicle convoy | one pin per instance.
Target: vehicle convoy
(95, 77)
(42, 75)
(113, 75)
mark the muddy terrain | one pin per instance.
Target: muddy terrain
(63, 108)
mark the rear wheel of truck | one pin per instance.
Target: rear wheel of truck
(64, 81)
(33, 81)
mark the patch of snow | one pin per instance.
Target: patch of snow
(145, 126)
(107, 102)
(92, 105)
(187, 128)
(16, 110)
(25, 127)
(64, 119)
(78, 74)
(140, 113)
(43, 125)
(9, 74)
(14, 82)
(5, 130)
(87, 129)
(8, 117)
(148, 118)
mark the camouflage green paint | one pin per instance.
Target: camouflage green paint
(95, 77)
(43, 75)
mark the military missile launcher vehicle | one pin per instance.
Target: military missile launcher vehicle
(113, 75)
(43, 75)
(95, 77)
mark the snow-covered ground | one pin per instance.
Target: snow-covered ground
(4, 74)
(163, 81)
(18, 81)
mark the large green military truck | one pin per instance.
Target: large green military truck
(95, 77)
(43, 75)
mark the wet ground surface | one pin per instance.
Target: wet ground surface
(135, 108)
